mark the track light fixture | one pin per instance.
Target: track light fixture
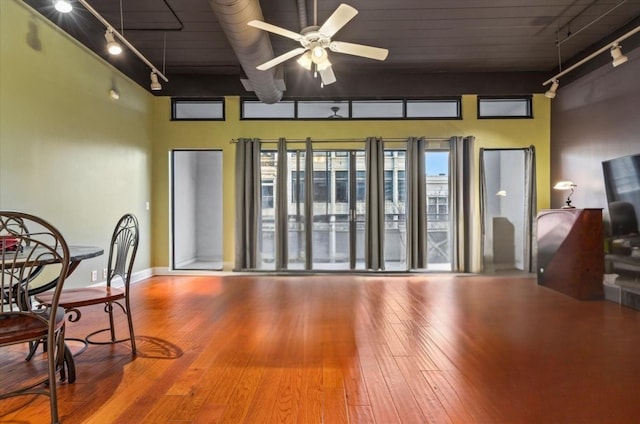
(613, 48)
(111, 35)
(113, 47)
(551, 92)
(155, 84)
(617, 56)
(63, 6)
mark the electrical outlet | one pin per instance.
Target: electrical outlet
(104, 273)
(94, 275)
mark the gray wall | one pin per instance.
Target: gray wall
(594, 118)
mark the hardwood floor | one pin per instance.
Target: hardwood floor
(354, 349)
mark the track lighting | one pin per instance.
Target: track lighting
(551, 92)
(62, 6)
(617, 56)
(113, 47)
(155, 84)
(614, 49)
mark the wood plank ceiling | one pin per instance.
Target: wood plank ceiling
(427, 40)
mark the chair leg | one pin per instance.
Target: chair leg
(69, 364)
(53, 347)
(130, 320)
(111, 324)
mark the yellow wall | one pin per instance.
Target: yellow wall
(68, 152)
(168, 135)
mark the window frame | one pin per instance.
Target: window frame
(527, 98)
(177, 100)
(347, 112)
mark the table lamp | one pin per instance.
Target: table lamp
(566, 185)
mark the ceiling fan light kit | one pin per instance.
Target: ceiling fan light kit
(316, 40)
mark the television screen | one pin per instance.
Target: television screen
(622, 183)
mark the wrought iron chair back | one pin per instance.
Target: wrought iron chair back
(37, 252)
(122, 253)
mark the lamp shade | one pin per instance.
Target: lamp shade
(564, 185)
(551, 92)
(155, 84)
(305, 60)
(617, 56)
(113, 47)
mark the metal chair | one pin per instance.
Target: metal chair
(25, 256)
(122, 253)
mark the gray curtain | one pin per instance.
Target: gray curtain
(308, 203)
(281, 235)
(416, 206)
(530, 217)
(374, 204)
(248, 198)
(462, 203)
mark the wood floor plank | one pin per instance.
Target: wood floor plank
(430, 405)
(360, 414)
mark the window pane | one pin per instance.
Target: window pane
(395, 247)
(360, 186)
(318, 110)
(438, 219)
(342, 186)
(377, 109)
(320, 186)
(295, 210)
(266, 238)
(258, 110)
(388, 186)
(433, 108)
(520, 108)
(198, 109)
(297, 186)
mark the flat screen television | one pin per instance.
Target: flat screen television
(622, 184)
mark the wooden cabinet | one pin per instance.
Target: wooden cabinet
(571, 252)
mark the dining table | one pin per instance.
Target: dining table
(77, 254)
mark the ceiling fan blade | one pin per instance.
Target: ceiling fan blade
(359, 50)
(275, 29)
(279, 59)
(327, 76)
(339, 18)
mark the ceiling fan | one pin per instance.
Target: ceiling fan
(315, 40)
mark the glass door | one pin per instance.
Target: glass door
(337, 198)
(336, 219)
(438, 216)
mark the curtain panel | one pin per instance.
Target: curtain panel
(462, 207)
(281, 235)
(374, 204)
(416, 206)
(248, 200)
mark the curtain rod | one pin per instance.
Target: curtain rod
(333, 140)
